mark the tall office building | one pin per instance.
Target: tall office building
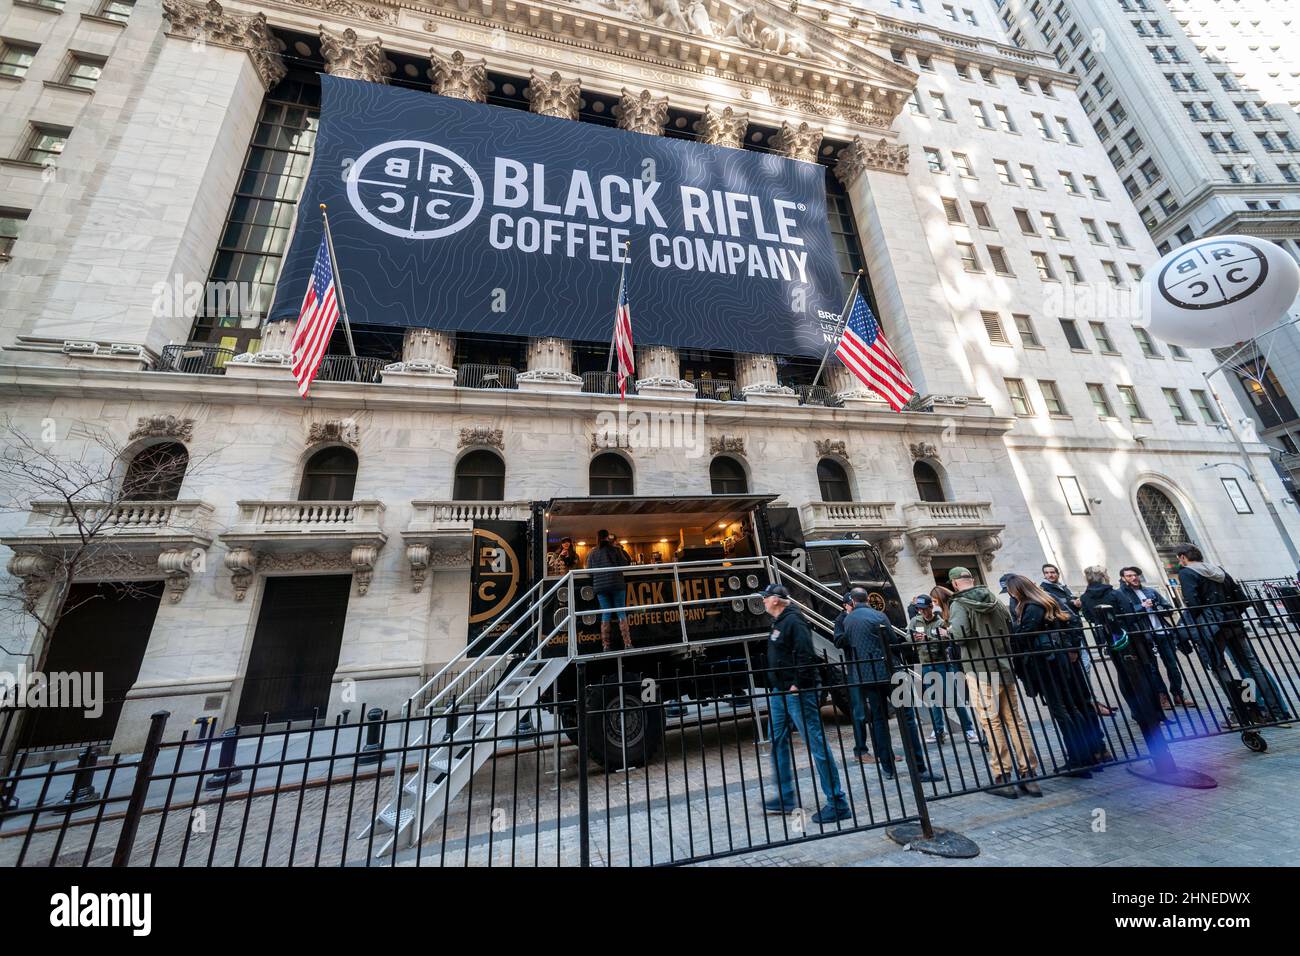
(291, 555)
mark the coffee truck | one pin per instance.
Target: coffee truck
(698, 629)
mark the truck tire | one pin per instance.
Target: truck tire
(622, 730)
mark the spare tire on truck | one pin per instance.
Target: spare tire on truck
(622, 729)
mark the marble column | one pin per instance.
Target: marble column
(642, 112)
(273, 357)
(550, 367)
(660, 371)
(427, 357)
(798, 141)
(724, 127)
(845, 386)
(553, 95)
(756, 374)
(349, 56)
(458, 77)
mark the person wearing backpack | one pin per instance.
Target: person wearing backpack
(1215, 603)
(1041, 628)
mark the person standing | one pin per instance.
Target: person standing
(857, 700)
(1150, 619)
(1079, 658)
(934, 650)
(980, 624)
(607, 561)
(867, 639)
(1103, 605)
(794, 703)
(1215, 603)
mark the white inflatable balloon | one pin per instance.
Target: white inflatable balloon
(1218, 291)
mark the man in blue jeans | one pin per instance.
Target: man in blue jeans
(792, 675)
(857, 700)
(607, 560)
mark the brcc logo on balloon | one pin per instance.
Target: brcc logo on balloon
(414, 189)
(1219, 290)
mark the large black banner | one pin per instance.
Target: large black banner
(463, 216)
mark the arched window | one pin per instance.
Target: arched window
(1162, 519)
(610, 474)
(928, 485)
(834, 481)
(727, 476)
(156, 473)
(330, 475)
(480, 476)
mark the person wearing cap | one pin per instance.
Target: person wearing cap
(607, 560)
(795, 700)
(857, 702)
(934, 650)
(980, 624)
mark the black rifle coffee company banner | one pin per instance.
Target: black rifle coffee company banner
(463, 216)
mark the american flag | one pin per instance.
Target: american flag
(316, 320)
(865, 353)
(623, 337)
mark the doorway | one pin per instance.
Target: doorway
(940, 566)
(295, 648)
(104, 629)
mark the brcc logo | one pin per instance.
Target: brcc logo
(415, 190)
(1211, 274)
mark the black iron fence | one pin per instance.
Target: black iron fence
(637, 760)
(194, 359)
(471, 375)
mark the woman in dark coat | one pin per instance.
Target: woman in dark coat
(1042, 627)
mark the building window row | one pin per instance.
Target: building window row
(1099, 397)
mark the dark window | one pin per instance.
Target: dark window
(833, 480)
(727, 477)
(928, 485)
(480, 476)
(156, 473)
(330, 475)
(610, 475)
(1162, 519)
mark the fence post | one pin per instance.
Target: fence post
(140, 789)
(584, 811)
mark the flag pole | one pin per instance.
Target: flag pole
(338, 291)
(844, 318)
(622, 274)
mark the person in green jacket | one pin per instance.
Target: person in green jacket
(980, 624)
(933, 647)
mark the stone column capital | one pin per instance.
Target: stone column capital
(209, 23)
(458, 77)
(798, 142)
(857, 157)
(553, 95)
(723, 127)
(349, 56)
(642, 112)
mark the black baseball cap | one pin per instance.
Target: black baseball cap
(775, 590)
(847, 598)
(1002, 582)
(923, 600)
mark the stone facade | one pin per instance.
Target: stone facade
(141, 192)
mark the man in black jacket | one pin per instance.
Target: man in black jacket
(792, 676)
(1150, 620)
(857, 702)
(1215, 602)
(867, 641)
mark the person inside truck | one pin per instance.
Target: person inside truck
(563, 559)
(607, 561)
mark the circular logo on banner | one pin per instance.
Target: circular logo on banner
(415, 190)
(1213, 274)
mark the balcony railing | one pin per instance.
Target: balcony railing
(309, 517)
(604, 383)
(849, 515)
(344, 368)
(194, 359)
(718, 390)
(485, 376)
(951, 514)
(817, 395)
(459, 516)
(129, 518)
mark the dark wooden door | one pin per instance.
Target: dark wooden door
(295, 648)
(104, 629)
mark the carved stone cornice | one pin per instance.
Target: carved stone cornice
(459, 78)
(349, 56)
(859, 156)
(373, 12)
(163, 426)
(798, 141)
(553, 95)
(341, 430)
(209, 23)
(482, 436)
(723, 127)
(642, 112)
(831, 446)
(727, 445)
